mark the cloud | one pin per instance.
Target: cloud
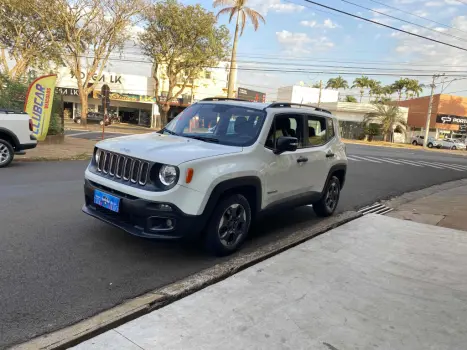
(264, 6)
(326, 24)
(302, 43)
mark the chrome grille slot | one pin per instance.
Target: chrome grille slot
(101, 160)
(135, 170)
(120, 164)
(143, 173)
(123, 168)
(113, 164)
(127, 169)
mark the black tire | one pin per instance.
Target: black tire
(453, 148)
(78, 120)
(415, 143)
(438, 147)
(241, 220)
(330, 199)
(7, 153)
(430, 145)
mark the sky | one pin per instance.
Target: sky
(321, 43)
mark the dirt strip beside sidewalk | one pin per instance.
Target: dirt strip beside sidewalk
(70, 149)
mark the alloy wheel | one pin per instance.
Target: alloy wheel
(232, 226)
(332, 196)
(4, 153)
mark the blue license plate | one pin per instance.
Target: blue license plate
(106, 200)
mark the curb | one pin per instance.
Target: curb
(456, 152)
(132, 309)
(52, 159)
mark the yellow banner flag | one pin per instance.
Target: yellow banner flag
(38, 105)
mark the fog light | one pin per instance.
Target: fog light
(169, 223)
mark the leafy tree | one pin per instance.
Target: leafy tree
(181, 40)
(371, 130)
(388, 115)
(413, 88)
(86, 32)
(375, 88)
(399, 86)
(12, 93)
(361, 83)
(316, 85)
(238, 8)
(24, 39)
(387, 91)
(350, 98)
(337, 83)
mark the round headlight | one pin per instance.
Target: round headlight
(168, 175)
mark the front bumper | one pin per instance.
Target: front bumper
(143, 218)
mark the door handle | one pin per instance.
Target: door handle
(302, 160)
(330, 155)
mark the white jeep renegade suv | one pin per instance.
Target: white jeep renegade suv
(214, 168)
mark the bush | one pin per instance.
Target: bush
(372, 130)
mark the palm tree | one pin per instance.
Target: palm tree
(388, 115)
(237, 7)
(337, 83)
(362, 84)
(387, 90)
(316, 85)
(413, 88)
(350, 98)
(375, 88)
(399, 85)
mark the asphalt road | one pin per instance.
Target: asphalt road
(58, 266)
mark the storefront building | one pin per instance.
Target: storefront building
(448, 115)
(132, 96)
(351, 115)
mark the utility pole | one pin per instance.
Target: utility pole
(430, 105)
(320, 88)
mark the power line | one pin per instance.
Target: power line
(385, 25)
(421, 17)
(403, 20)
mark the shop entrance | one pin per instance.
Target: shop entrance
(68, 110)
(128, 115)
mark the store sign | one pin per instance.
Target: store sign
(450, 119)
(66, 91)
(105, 78)
(126, 97)
(251, 95)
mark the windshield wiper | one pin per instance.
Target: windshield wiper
(203, 138)
(169, 132)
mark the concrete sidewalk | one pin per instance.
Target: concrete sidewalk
(445, 207)
(374, 283)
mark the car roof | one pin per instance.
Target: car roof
(280, 107)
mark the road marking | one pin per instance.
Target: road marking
(386, 160)
(429, 164)
(448, 167)
(461, 167)
(355, 160)
(369, 160)
(408, 162)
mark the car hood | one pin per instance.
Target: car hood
(166, 149)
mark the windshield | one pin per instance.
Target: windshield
(223, 124)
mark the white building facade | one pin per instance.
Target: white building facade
(306, 95)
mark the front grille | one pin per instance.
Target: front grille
(122, 167)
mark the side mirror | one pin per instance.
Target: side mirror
(286, 144)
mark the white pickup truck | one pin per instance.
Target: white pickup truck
(15, 135)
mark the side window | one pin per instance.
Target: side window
(317, 130)
(285, 125)
(330, 129)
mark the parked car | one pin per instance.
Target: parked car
(16, 135)
(432, 142)
(188, 182)
(452, 144)
(95, 117)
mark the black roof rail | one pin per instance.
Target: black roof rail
(9, 111)
(223, 99)
(290, 104)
